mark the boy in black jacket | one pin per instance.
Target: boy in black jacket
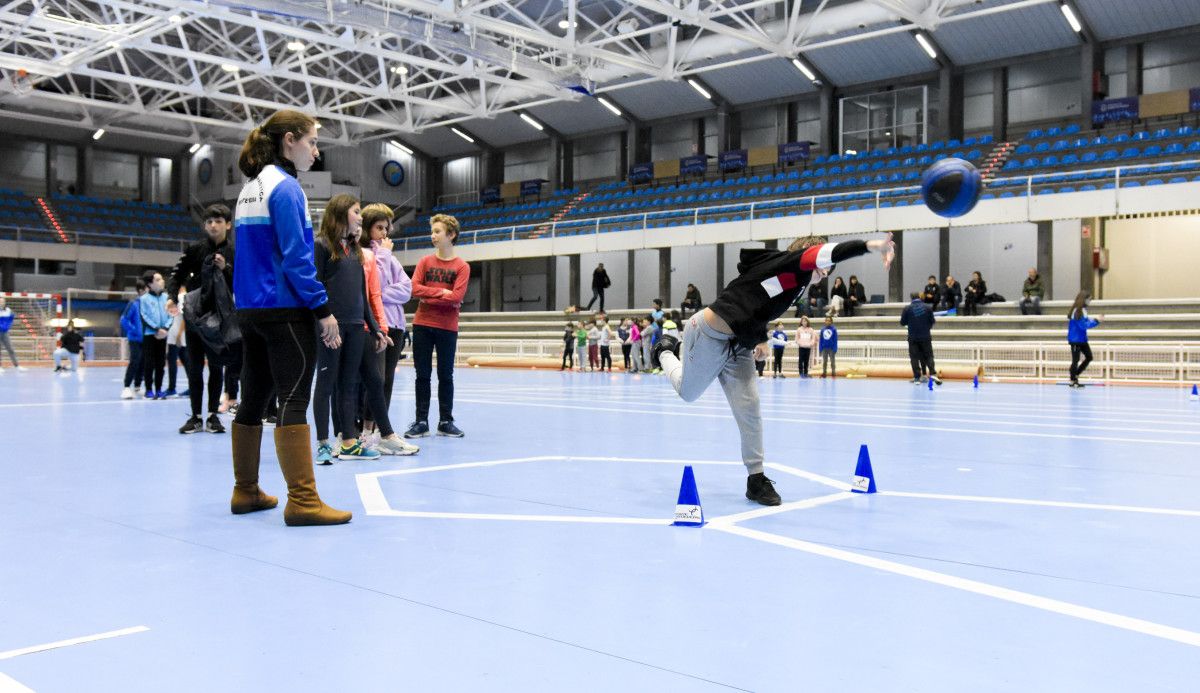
(721, 342)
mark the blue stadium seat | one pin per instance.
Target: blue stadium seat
(1131, 153)
(1087, 188)
(1120, 138)
(1132, 184)
(1152, 150)
(1053, 132)
(1154, 181)
(1178, 179)
(1071, 129)
(1042, 147)
(1034, 134)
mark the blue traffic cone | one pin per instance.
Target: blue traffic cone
(930, 381)
(975, 382)
(863, 480)
(1195, 394)
(688, 512)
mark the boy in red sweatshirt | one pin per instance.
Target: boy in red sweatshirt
(440, 282)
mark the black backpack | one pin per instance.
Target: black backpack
(208, 311)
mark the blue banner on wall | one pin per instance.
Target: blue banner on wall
(640, 173)
(1194, 99)
(531, 187)
(732, 160)
(490, 194)
(793, 152)
(695, 165)
(1113, 110)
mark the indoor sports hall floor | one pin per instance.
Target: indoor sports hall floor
(1025, 538)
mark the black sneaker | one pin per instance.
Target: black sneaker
(193, 425)
(916, 381)
(214, 424)
(447, 428)
(664, 343)
(271, 421)
(761, 490)
(937, 380)
(418, 429)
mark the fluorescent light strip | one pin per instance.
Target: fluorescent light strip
(703, 92)
(463, 135)
(927, 46)
(803, 68)
(532, 122)
(194, 148)
(98, 134)
(608, 104)
(401, 147)
(1071, 18)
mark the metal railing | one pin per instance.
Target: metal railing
(865, 200)
(25, 234)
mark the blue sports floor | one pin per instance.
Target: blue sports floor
(1025, 538)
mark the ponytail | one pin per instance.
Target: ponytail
(263, 146)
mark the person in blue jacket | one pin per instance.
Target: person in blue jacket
(155, 323)
(827, 347)
(1077, 328)
(6, 321)
(282, 309)
(131, 325)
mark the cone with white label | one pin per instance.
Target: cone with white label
(863, 480)
(1195, 394)
(688, 512)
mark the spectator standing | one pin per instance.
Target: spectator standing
(568, 355)
(806, 339)
(6, 321)
(635, 345)
(1032, 293)
(623, 334)
(649, 332)
(594, 345)
(605, 340)
(581, 343)
(395, 285)
(918, 318)
(600, 282)
(828, 346)
(155, 322)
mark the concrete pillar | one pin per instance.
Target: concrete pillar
(720, 270)
(623, 161)
(433, 184)
(698, 135)
(567, 172)
(1000, 104)
(943, 253)
(631, 294)
(8, 271)
(553, 164)
(1091, 227)
(1089, 60)
(950, 104)
(829, 121)
(496, 286)
(1045, 256)
(895, 292)
(180, 181)
(551, 283)
(83, 180)
(664, 276)
(573, 280)
(1133, 70)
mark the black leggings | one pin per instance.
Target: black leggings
(390, 358)
(568, 359)
(376, 408)
(233, 370)
(777, 366)
(805, 357)
(920, 356)
(133, 372)
(278, 358)
(338, 376)
(426, 340)
(1077, 367)
(626, 350)
(605, 357)
(175, 354)
(201, 352)
(154, 361)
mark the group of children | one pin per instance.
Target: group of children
(590, 342)
(806, 339)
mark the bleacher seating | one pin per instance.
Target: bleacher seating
(97, 221)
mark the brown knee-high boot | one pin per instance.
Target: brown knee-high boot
(293, 444)
(247, 496)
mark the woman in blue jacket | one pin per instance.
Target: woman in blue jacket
(131, 325)
(1077, 326)
(282, 310)
(155, 321)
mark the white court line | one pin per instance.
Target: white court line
(73, 641)
(785, 507)
(582, 519)
(8, 685)
(1023, 598)
(811, 476)
(834, 422)
(73, 404)
(1048, 504)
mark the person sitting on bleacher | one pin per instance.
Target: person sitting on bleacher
(1032, 294)
(691, 301)
(951, 294)
(837, 297)
(976, 293)
(856, 296)
(932, 293)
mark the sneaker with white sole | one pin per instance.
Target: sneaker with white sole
(447, 428)
(194, 424)
(357, 452)
(127, 393)
(418, 429)
(214, 424)
(395, 445)
(324, 453)
(371, 440)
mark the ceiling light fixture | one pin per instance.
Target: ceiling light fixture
(229, 68)
(926, 45)
(194, 148)
(564, 24)
(608, 104)
(400, 70)
(98, 134)
(525, 117)
(703, 92)
(174, 19)
(463, 135)
(1071, 18)
(803, 68)
(295, 46)
(397, 145)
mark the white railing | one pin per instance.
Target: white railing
(1114, 361)
(9, 232)
(868, 200)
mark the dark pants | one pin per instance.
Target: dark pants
(760, 366)
(605, 357)
(376, 408)
(133, 371)
(201, 353)
(233, 371)
(427, 340)
(920, 354)
(154, 361)
(1031, 305)
(278, 359)
(175, 354)
(568, 359)
(777, 366)
(1078, 367)
(684, 307)
(596, 293)
(971, 306)
(805, 357)
(626, 351)
(338, 376)
(390, 358)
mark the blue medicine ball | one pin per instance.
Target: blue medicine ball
(950, 188)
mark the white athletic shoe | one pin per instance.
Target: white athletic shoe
(396, 446)
(127, 393)
(22, 368)
(370, 440)
(1, 370)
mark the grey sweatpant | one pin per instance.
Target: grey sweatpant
(706, 356)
